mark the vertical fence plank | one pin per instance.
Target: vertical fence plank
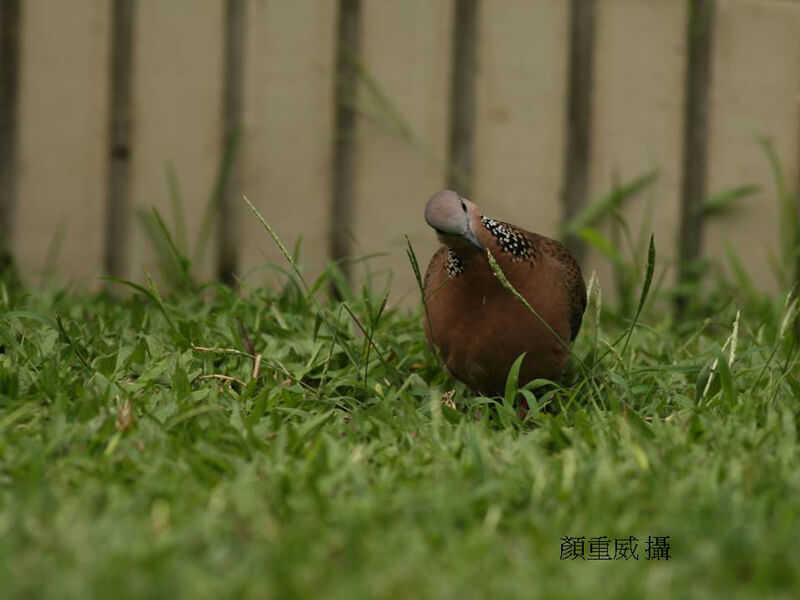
(402, 132)
(348, 38)
(177, 116)
(462, 96)
(754, 94)
(63, 122)
(640, 58)
(521, 111)
(230, 202)
(289, 86)
(118, 199)
(9, 78)
(579, 115)
(700, 33)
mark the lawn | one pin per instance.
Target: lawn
(201, 442)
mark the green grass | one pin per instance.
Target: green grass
(142, 455)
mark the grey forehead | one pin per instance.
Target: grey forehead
(445, 195)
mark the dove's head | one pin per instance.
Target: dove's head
(455, 219)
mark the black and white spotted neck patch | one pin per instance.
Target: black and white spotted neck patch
(510, 239)
(454, 266)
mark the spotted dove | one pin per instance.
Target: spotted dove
(478, 326)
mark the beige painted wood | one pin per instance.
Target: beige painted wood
(288, 130)
(406, 48)
(177, 115)
(62, 137)
(756, 73)
(520, 131)
(638, 123)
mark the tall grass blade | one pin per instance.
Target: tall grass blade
(592, 213)
(176, 201)
(726, 200)
(284, 252)
(648, 279)
(512, 381)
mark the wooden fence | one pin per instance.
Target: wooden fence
(347, 115)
